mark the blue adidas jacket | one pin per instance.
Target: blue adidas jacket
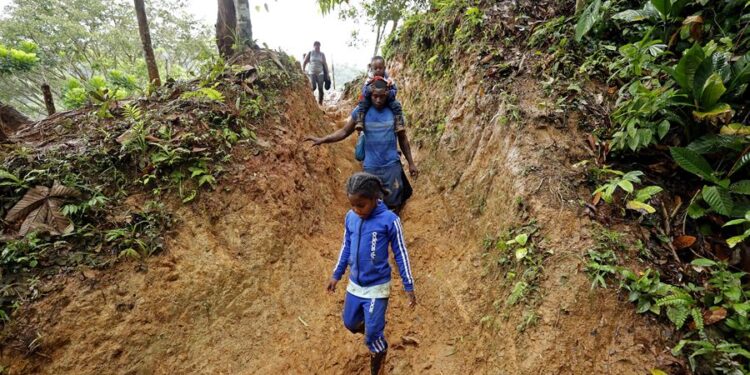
(365, 249)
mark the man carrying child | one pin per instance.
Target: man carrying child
(383, 129)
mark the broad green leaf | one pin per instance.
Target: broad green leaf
(662, 129)
(9, 176)
(703, 262)
(684, 72)
(607, 194)
(640, 206)
(644, 136)
(588, 19)
(642, 195)
(701, 76)
(521, 253)
(678, 348)
(712, 90)
(735, 129)
(741, 187)
(634, 140)
(656, 371)
(718, 114)
(633, 15)
(733, 241)
(633, 176)
(734, 222)
(663, 6)
(206, 179)
(725, 182)
(741, 162)
(742, 308)
(709, 143)
(626, 185)
(522, 238)
(692, 162)
(718, 199)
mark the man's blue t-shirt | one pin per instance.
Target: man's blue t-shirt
(380, 139)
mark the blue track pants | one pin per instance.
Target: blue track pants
(369, 312)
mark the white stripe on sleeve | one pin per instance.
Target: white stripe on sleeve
(341, 252)
(404, 251)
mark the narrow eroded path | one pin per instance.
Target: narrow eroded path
(240, 289)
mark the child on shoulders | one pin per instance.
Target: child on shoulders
(377, 72)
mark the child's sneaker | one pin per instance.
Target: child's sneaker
(399, 124)
(360, 124)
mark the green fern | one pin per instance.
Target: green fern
(204, 94)
(133, 112)
(678, 315)
(680, 305)
(697, 318)
(677, 298)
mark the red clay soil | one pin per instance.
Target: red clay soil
(241, 286)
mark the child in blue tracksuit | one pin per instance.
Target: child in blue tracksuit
(369, 228)
(377, 70)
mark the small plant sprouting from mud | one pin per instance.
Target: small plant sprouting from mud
(515, 259)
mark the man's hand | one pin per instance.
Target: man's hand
(412, 299)
(332, 285)
(413, 171)
(315, 141)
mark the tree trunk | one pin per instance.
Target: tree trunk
(148, 51)
(333, 75)
(395, 25)
(48, 101)
(226, 26)
(378, 36)
(10, 121)
(244, 26)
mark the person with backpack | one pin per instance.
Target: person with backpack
(318, 72)
(380, 148)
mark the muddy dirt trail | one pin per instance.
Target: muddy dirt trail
(240, 288)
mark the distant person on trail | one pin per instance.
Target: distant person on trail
(381, 156)
(369, 227)
(377, 71)
(318, 72)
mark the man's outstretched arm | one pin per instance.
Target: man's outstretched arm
(336, 136)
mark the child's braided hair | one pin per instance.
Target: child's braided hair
(366, 185)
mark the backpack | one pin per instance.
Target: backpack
(359, 149)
